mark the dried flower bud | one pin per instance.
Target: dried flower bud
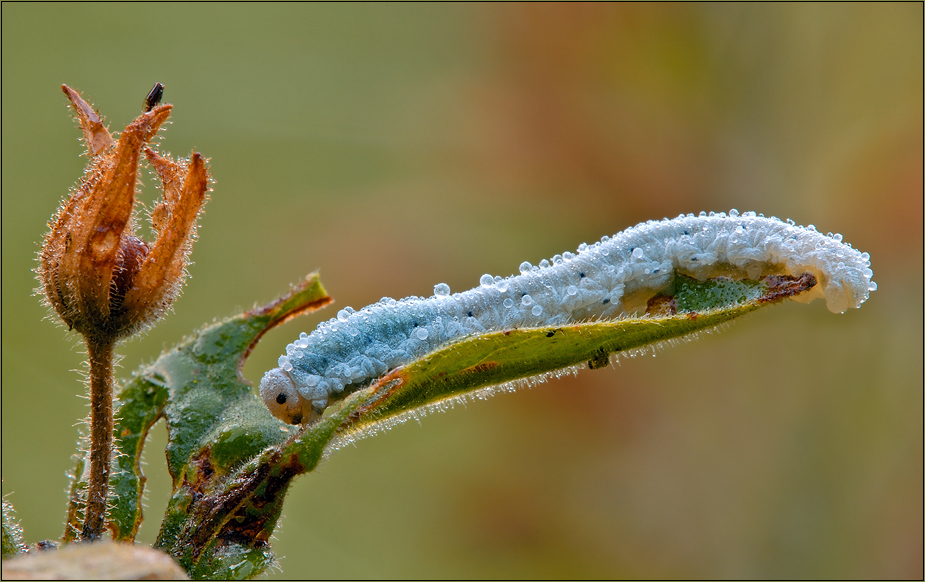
(102, 280)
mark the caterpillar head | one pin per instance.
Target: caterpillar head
(281, 397)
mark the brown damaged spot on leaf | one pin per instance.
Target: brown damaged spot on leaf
(783, 286)
(381, 389)
(201, 470)
(481, 368)
(229, 512)
(244, 526)
(662, 305)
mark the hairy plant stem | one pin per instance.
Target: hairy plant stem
(100, 352)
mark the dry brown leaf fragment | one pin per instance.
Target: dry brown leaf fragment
(95, 272)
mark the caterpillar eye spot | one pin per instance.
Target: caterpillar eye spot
(281, 399)
(469, 314)
(606, 301)
(581, 274)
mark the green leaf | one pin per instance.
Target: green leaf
(484, 364)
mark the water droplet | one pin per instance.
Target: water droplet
(525, 267)
(526, 300)
(537, 310)
(637, 253)
(342, 315)
(502, 285)
(509, 303)
(421, 333)
(544, 264)
(486, 280)
(572, 290)
(441, 289)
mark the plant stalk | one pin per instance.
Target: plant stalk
(100, 352)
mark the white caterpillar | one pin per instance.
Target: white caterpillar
(603, 281)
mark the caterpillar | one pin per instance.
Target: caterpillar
(606, 280)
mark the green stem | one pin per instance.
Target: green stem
(100, 352)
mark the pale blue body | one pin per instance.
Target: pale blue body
(351, 350)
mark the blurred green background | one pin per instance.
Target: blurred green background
(397, 146)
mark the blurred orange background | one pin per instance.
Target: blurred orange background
(397, 146)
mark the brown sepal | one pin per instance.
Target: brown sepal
(98, 276)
